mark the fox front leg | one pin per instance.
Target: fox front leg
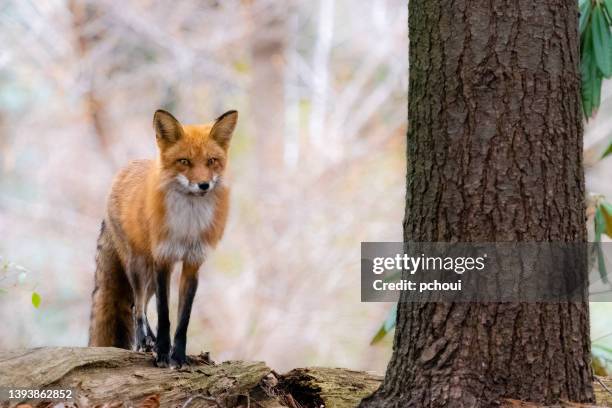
(162, 342)
(187, 290)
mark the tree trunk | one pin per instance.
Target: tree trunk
(494, 154)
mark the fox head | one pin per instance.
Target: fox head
(193, 157)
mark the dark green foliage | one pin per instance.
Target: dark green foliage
(595, 51)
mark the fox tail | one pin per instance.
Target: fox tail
(111, 320)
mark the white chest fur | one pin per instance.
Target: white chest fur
(187, 217)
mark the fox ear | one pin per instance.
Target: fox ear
(224, 127)
(167, 128)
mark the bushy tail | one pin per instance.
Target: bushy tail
(111, 321)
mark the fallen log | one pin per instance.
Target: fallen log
(100, 375)
(108, 377)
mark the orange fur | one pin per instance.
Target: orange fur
(158, 214)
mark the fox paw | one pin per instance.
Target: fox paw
(178, 359)
(146, 344)
(162, 360)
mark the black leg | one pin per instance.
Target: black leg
(187, 291)
(162, 343)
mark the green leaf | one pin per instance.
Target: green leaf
(585, 13)
(36, 299)
(596, 52)
(600, 223)
(601, 263)
(608, 151)
(600, 226)
(386, 327)
(606, 215)
(596, 90)
(587, 72)
(391, 318)
(601, 40)
(608, 6)
(380, 334)
(591, 79)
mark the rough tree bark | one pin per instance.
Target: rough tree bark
(494, 154)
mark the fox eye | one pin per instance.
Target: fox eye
(184, 162)
(211, 161)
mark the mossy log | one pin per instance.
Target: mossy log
(114, 378)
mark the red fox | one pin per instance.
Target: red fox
(160, 212)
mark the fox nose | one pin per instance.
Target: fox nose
(204, 186)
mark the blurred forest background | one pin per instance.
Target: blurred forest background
(317, 163)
